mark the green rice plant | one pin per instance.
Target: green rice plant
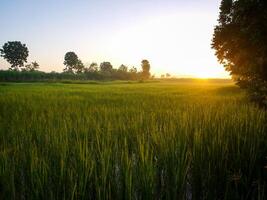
(159, 140)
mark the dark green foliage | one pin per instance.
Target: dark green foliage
(173, 140)
(73, 63)
(31, 67)
(15, 53)
(70, 60)
(79, 67)
(29, 76)
(240, 41)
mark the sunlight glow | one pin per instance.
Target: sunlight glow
(175, 39)
(177, 44)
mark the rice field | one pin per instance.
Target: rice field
(158, 140)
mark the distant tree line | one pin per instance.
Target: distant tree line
(167, 75)
(17, 53)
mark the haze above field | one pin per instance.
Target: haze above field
(174, 35)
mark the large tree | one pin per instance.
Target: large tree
(73, 63)
(145, 69)
(15, 53)
(106, 67)
(240, 41)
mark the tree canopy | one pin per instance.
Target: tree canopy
(106, 67)
(93, 67)
(123, 68)
(15, 53)
(145, 69)
(32, 66)
(73, 63)
(240, 41)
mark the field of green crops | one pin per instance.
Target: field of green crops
(159, 140)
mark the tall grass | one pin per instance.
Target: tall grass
(192, 140)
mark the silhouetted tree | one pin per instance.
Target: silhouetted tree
(123, 68)
(32, 66)
(133, 73)
(122, 73)
(168, 75)
(73, 63)
(93, 67)
(162, 76)
(15, 53)
(70, 61)
(79, 67)
(240, 41)
(106, 67)
(145, 69)
(35, 65)
(133, 70)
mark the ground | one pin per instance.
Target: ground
(172, 139)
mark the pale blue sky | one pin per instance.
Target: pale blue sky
(175, 35)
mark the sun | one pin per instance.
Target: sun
(171, 44)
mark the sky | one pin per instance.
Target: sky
(174, 35)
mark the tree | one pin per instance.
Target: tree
(71, 60)
(35, 65)
(79, 67)
(133, 75)
(72, 63)
(123, 68)
(145, 69)
(93, 67)
(122, 73)
(32, 66)
(240, 42)
(106, 67)
(15, 53)
(168, 75)
(133, 70)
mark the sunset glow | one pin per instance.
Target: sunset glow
(173, 45)
(173, 35)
